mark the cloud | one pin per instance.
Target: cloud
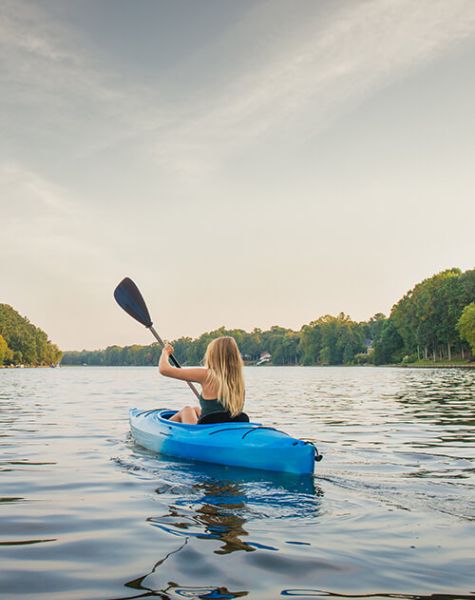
(98, 166)
(327, 68)
(55, 90)
(25, 192)
(299, 81)
(47, 226)
(24, 29)
(41, 219)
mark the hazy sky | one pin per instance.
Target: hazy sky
(247, 163)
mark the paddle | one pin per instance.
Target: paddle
(128, 297)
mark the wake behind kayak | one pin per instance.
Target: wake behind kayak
(247, 445)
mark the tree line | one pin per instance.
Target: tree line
(21, 342)
(435, 320)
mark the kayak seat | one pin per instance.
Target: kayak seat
(223, 417)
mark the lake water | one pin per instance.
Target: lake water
(87, 514)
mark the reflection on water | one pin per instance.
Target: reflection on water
(219, 511)
(213, 520)
(391, 513)
(298, 593)
(212, 502)
(175, 590)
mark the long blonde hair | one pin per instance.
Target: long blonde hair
(224, 363)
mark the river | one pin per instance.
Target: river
(87, 514)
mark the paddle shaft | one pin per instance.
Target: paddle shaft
(173, 360)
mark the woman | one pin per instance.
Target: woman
(221, 380)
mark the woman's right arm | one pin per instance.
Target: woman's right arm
(195, 374)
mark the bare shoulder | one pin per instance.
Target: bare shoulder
(210, 386)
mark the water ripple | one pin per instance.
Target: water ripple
(85, 513)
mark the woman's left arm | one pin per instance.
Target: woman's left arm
(196, 374)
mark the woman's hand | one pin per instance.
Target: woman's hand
(164, 366)
(167, 349)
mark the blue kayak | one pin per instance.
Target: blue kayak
(248, 445)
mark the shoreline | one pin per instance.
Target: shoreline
(435, 366)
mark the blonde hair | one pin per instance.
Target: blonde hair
(224, 363)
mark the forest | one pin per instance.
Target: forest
(22, 343)
(434, 321)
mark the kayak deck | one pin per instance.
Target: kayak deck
(249, 445)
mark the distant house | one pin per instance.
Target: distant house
(265, 357)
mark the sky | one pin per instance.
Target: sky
(248, 164)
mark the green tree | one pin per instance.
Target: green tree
(374, 328)
(6, 355)
(285, 348)
(389, 348)
(29, 343)
(310, 343)
(331, 340)
(466, 325)
(427, 315)
(468, 282)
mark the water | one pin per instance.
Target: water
(85, 513)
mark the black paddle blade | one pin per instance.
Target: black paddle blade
(128, 297)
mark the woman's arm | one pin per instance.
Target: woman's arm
(195, 374)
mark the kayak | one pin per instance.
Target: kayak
(249, 445)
